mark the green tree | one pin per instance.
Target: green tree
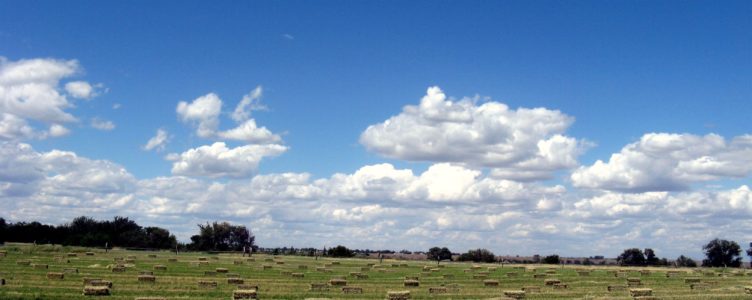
(439, 254)
(478, 255)
(340, 251)
(650, 258)
(631, 257)
(552, 259)
(222, 237)
(722, 253)
(683, 261)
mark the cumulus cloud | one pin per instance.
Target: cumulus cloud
(30, 94)
(523, 144)
(667, 162)
(158, 141)
(104, 125)
(217, 160)
(202, 111)
(249, 103)
(80, 89)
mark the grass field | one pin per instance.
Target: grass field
(23, 269)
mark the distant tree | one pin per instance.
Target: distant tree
(551, 260)
(439, 254)
(3, 231)
(159, 238)
(587, 262)
(749, 251)
(478, 255)
(650, 258)
(222, 237)
(683, 261)
(722, 253)
(631, 257)
(340, 251)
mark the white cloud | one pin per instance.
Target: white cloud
(250, 133)
(666, 162)
(12, 127)
(249, 103)
(204, 111)
(57, 130)
(100, 124)
(158, 141)
(217, 160)
(80, 89)
(522, 144)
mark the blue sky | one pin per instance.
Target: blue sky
(619, 71)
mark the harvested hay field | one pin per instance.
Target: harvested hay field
(341, 279)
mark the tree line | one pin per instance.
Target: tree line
(124, 232)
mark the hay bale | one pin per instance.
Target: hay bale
(87, 281)
(145, 273)
(632, 282)
(640, 292)
(398, 295)
(147, 278)
(302, 267)
(118, 269)
(106, 283)
(561, 286)
(152, 256)
(203, 259)
(41, 266)
(319, 287)
(412, 278)
(70, 270)
(337, 282)
(285, 273)
(475, 267)
(205, 284)
(96, 291)
(244, 294)
(411, 282)
(551, 281)
(614, 288)
(280, 262)
(352, 290)
(235, 280)
(438, 290)
(172, 260)
(699, 286)
(490, 282)
(117, 259)
(221, 270)
(512, 274)
(531, 289)
(692, 280)
(297, 275)
(515, 294)
(160, 267)
(266, 267)
(55, 275)
(361, 276)
(467, 270)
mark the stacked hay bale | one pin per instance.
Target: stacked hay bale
(438, 290)
(244, 294)
(490, 282)
(633, 282)
(206, 284)
(552, 282)
(298, 275)
(147, 278)
(640, 292)
(96, 291)
(398, 295)
(55, 275)
(319, 287)
(352, 290)
(515, 294)
(235, 280)
(160, 267)
(337, 282)
(411, 283)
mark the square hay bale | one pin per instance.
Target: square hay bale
(560, 286)
(452, 287)
(235, 280)
(147, 278)
(640, 292)
(96, 291)
(160, 267)
(479, 276)
(515, 294)
(280, 262)
(416, 278)
(302, 267)
(89, 253)
(244, 294)
(298, 275)
(152, 256)
(145, 273)
(438, 290)
(512, 274)
(71, 254)
(531, 289)
(483, 273)
(448, 276)
(426, 268)
(361, 276)
(475, 267)
(411, 282)
(490, 282)
(337, 282)
(692, 280)
(434, 270)
(266, 267)
(551, 281)
(221, 270)
(748, 290)
(699, 286)
(203, 259)
(352, 290)
(70, 270)
(55, 275)
(206, 284)
(614, 288)
(672, 274)
(398, 295)
(88, 281)
(41, 266)
(320, 269)
(106, 283)
(319, 287)
(118, 269)
(353, 274)
(537, 276)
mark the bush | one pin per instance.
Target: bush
(478, 255)
(340, 251)
(552, 259)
